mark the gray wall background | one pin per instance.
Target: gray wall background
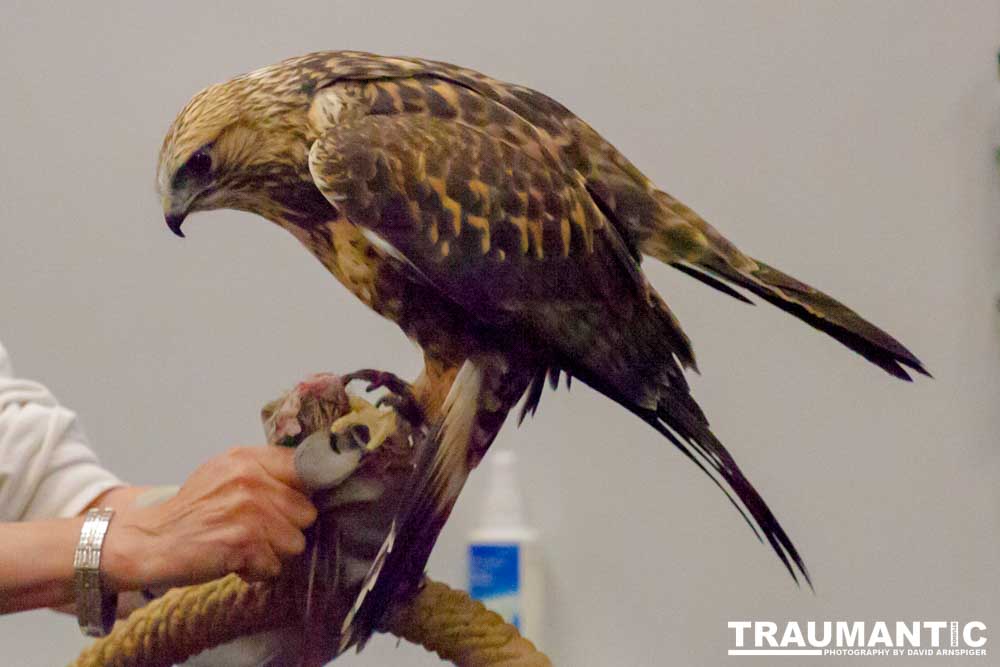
(850, 144)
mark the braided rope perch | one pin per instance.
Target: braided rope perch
(189, 620)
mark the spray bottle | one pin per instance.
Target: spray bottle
(504, 566)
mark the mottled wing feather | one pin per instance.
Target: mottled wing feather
(514, 240)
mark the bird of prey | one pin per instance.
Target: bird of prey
(503, 234)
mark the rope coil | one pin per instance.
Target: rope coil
(186, 621)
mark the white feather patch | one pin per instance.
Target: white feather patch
(383, 246)
(461, 406)
(346, 628)
(389, 250)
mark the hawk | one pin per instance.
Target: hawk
(504, 235)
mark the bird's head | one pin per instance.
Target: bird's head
(233, 145)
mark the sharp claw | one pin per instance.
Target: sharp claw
(400, 396)
(368, 374)
(360, 436)
(406, 406)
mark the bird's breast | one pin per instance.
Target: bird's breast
(359, 266)
(345, 252)
(380, 282)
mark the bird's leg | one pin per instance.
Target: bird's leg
(400, 398)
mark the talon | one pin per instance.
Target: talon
(405, 405)
(358, 436)
(377, 379)
(400, 396)
(368, 374)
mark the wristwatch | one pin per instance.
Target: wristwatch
(95, 606)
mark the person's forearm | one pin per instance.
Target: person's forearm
(118, 498)
(36, 563)
(242, 511)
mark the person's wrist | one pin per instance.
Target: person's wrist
(96, 602)
(127, 562)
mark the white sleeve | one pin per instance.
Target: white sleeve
(46, 468)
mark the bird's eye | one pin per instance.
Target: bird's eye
(198, 167)
(199, 164)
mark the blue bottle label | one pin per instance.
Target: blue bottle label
(495, 579)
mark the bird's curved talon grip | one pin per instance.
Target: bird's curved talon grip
(400, 397)
(325, 459)
(355, 436)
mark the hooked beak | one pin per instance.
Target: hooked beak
(174, 222)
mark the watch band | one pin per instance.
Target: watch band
(95, 607)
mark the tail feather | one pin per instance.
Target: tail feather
(824, 313)
(679, 419)
(694, 438)
(677, 235)
(710, 280)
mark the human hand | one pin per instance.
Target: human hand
(242, 511)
